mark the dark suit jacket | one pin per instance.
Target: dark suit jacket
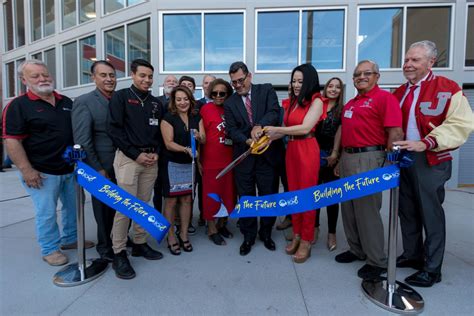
(89, 116)
(265, 110)
(164, 104)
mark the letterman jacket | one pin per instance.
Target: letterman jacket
(443, 116)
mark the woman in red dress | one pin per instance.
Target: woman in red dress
(302, 114)
(216, 154)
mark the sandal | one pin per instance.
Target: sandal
(174, 249)
(185, 244)
(217, 239)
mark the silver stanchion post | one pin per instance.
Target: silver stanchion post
(389, 293)
(84, 270)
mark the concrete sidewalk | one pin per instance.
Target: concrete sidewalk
(215, 280)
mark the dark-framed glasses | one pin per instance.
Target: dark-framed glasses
(240, 81)
(364, 73)
(220, 94)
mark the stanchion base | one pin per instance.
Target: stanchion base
(71, 276)
(405, 300)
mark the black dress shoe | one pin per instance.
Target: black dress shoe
(423, 279)
(370, 272)
(121, 265)
(245, 248)
(268, 243)
(347, 257)
(403, 262)
(107, 255)
(143, 250)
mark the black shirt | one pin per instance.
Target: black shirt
(326, 131)
(181, 136)
(133, 121)
(45, 130)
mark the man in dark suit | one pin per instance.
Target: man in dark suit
(249, 109)
(89, 115)
(206, 82)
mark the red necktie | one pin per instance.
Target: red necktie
(406, 107)
(248, 107)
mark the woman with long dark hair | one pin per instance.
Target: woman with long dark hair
(328, 135)
(177, 125)
(302, 114)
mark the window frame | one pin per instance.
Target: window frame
(125, 25)
(78, 64)
(405, 7)
(469, 4)
(15, 26)
(16, 79)
(300, 34)
(203, 48)
(77, 16)
(103, 13)
(43, 21)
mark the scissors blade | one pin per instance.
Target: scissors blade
(233, 164)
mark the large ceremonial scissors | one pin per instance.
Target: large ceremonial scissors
(255, 149)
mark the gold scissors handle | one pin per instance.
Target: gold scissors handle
(256, 145)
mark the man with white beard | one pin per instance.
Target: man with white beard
(37, 129)
(168, 84)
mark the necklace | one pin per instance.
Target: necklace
(141, 101)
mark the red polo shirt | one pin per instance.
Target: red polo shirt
(365, 117)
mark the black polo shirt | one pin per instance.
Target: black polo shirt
(134, 121)
(45, 130)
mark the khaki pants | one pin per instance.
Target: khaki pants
(361, 217)
(138, 181)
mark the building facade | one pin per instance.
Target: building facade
(205, 37)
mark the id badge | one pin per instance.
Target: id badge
(348, 114)
(153, 122)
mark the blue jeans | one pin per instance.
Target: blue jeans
(45, 201)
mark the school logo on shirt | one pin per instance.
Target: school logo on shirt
(367, 104)
(132, 101)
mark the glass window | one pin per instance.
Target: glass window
(380, 36)
(322, 41)
(470, 37)
(182, 42)
(115, 49)
(70, 64)
(87, 10)
(49, 58)
(10, 79)
(20, 23)
(277, 40)
(48, 17)
(114, 5)
(14, 23)
(8, 25)
(223, 40)
(138, 41)
(38, 56)
(435, 27)
(69, 13)
(88, 55)
(20, 87)
(36, 20)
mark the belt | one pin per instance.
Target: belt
(355, 150)
(148, 150)
(305, 136)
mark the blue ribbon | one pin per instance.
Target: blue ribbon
(193, 143)
(330, 193)
(115, 197)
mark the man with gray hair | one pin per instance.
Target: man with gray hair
(437, 118)
(37, 130)
(371, 122)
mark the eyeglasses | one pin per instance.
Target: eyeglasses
(220, 94)
(239, 81)
(364, 73)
